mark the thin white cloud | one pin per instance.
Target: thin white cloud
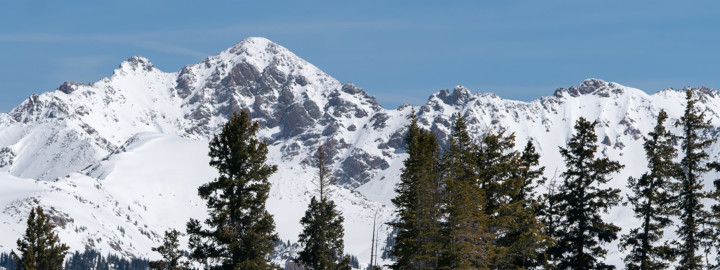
(150, 39)
(139, 40)
(78, 68)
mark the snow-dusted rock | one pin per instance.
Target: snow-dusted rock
(118, 161)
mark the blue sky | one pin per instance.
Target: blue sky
(399, 51)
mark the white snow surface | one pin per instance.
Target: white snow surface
(117, 162)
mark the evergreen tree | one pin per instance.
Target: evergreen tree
(418, 205)
(507, 178)
(524, 238)
(714, 220)
(171, 253)
(40, 247)
(241, 231)
(468, 243)
(530, 174)
(652, 202)
(548, 213)
(581, 230)
(690, 189)
(497, 164)
(322, 235)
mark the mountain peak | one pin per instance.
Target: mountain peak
(255, 45)
(591, 86)
(134, 63)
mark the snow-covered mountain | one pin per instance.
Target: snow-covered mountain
(118, 161)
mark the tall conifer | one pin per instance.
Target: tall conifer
(507, 179)
(652, 202)
(40, 247)
(172, 256)
(581, 230)
(468, 243)
(689, 191)
(241, 232)
(322, 235)
(524, 237)
(714, 220)
(417, 244)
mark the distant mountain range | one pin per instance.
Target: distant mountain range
(118, 161)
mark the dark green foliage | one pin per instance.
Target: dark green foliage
(7, 261)
(322, 235)
(92, 259)
(389, 244)
(689, 191)
(530, 174)
(241, 231)
(171, 253)
(497, 163)
(652, 202)
(549, 214)
(580, 230)
(523, 237)
(714, 219)
(40, 248)
(418, 205)
(508, 179)
(467, 240)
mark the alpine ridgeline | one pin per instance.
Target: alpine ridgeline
(117, 162)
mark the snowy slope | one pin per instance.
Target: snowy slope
(119, 161)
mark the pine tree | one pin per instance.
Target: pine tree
(581, 229)
(531, 174)
(241, 231)
(418, 205)
(714, 219)
(652, 202)
(40, 247)
(171, 254)
(468, 243)
(322, 235)
(549, 214)
(524, 238)
(690, 189)
(497, 162)
(507, 178)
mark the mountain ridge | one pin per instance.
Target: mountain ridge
(88, 146)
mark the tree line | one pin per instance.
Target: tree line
(470, 205)
(473, 205)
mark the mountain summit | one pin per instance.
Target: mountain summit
(118, 161)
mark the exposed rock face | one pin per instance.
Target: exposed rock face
(69, 87)
(358, 168)
(295, 103)
(73, 130)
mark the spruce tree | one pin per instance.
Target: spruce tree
(581, 230)
(417, 244)
(467, 241)
(507, 178)
(549, 214)
(714, 219)
(240, 231)
(689, 191)
(497, 162)
(172, 256)
(652, 202)
(530, 174)
(322, 235)
(40, 247)
(524, 237)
